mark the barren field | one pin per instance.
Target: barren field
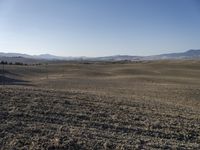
(143, 105)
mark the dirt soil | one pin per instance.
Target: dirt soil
(34, 118)
(101, 105)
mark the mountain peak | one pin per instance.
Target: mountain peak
(45, 55)
(193, 51)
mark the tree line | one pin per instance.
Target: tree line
(11, 63)
(16, 63)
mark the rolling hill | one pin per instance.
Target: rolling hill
(13, 57)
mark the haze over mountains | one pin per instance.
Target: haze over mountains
(190, 54)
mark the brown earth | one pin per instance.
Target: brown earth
(144, 105)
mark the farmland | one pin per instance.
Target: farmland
(101, 105)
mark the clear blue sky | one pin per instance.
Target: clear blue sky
(99, 27)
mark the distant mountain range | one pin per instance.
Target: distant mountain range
(190, 54)
(42, 56)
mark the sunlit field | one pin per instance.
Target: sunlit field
(101, 105)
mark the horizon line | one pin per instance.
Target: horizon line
(92, 56)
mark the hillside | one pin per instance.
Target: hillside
(101, 105)
(190, 54)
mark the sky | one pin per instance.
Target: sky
(99, 27)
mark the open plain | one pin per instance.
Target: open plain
(101, 105)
